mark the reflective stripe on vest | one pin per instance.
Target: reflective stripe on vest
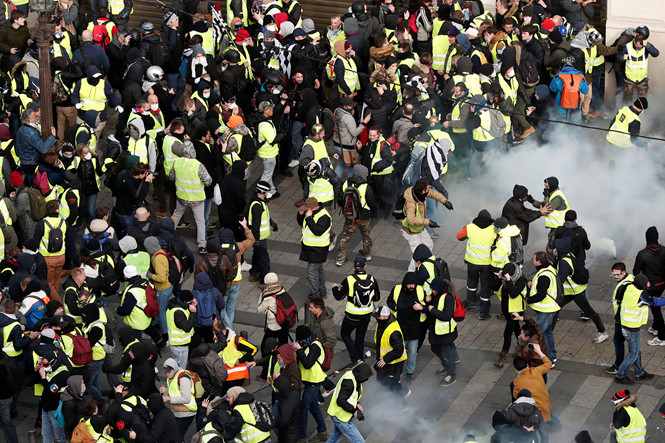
(377, 158)
(621, 123)
(319, 148)
(64, 206)
(637, 63)
(440, 47)
(556, 218)
(548, 304)
(384, 345)
(173, 385)
(350, 75)
(167, 150)
(444, 327)
(267, 132)
(517, 304)
(314, 374)
(636, 430)
(509, 88)
(362, 190)
(420, 295)
(264, 228)
(136, 319)
(8, 346)
(249, 433)
(569, 286)
(456, 112)
(479, 243)
(351, 307)
(334, 409)
(321, 189)
(98, 352)
(482, 132)
(471, 81)
(93, 98)
(139, 148)
(178, 337)
(52, 223)
(208, 44)
(4, 210)
(632, 315)
(231, 354)
(188, 184)
(629, 278)
(308, 237)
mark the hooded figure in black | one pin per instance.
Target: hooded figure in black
(517, 214)
(175, 244)
(234, 199)
(288, 421)
(27, 266)
(650, 261)
(72, 404)
(389, 374)
(163, 421)
(406, 304)
(143, 372)
(362, 372)
(125, 337)
(122, 421)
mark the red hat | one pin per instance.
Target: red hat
(242, 35)
(548, 24)
(280, 18)
(620, 396)
(4, 133)
(16, 179)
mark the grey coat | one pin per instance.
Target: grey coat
(347, 128)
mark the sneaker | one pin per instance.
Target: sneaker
(433, 235)
(327, 393)
(448, 380)
(246, 267)
(624, 381)
(516, 141)
(203, 250)
(293, 163)
(341, 262)
(409, 377)
(333, 241)
(527, 132)
(441, 371)
(553, 362)
(612, 369)
(319, 438)
(183, 224)
(644, 376)
(602, 336)
(652, 331)
(254, 278)
(368, 354)
(397, 223)
(484, 317)
(366, 256)
(584, 317)
(656, 342)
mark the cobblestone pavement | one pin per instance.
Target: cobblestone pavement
(580, 390)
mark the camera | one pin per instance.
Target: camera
(530, 345)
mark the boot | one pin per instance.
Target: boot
(502, 359)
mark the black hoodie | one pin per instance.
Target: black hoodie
(361, 373)
(517, 214)
(234, 196)
(143, 372)
(650, 261)
(163, 423)
(409, 318)
(288, 422)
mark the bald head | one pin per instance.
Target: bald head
(86, 36)
(142, 214)
(153, 100)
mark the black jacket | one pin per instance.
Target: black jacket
(211, 157)
(163, 426)
(172, 38)
(288, 422)
(396, 341)
(196, 364)
(579, 241)
(517, 214)
(445, 315)
(361, 373)
(314, 254)
(650, 261)
(409, 318)
(143, 230)
(143, 372)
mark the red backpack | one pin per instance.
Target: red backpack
(412, 20)
(570, 92)
(152, 307)
(100, 36)
(394, 144)
(287, 310)
(460, 311)
(82, 354)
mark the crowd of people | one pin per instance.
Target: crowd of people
(371, 114)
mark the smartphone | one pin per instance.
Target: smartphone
(530, 345)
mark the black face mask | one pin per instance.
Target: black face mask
(382, 322)
(180, 137)
(269, 45)
(94, 81)
(421, 197)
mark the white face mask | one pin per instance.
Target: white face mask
(155, 106)
(206, 95)
(245, 43)
(271, 28)
(82, 389)
(510, 74)
(88, 156)
(233, 106)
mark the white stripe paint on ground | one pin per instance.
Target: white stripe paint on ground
(582, 405)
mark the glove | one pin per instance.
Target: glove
(149, 275)
(78, 105)
(433, 224)
(360, 416)
(120, 109)
(448, 205)
(274, 226)
(529, 198)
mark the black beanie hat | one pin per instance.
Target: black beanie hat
(652, 235)
(641, 103)
(303, 332)
(520, 191)
(556, 37)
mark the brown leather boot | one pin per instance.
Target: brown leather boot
(502, 359)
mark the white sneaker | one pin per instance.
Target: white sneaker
(333, 241)
(246, 267)
(293, 163)
(652, 331)
(656, 342)
(601, 337)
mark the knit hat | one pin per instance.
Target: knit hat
(262, 187)
(53, 306)
(286, 29)
(270, 278)
(640, 281)
(381, 311)
(269, 34)
(577, 27)
(234, 121)
(463, 42)
(243, 34)
(16, 179)
(527, 11)
(170, 17)
(620, 396)
(548, 24)
(4, 133)
(299, 33)
(213, 247)
(501, 222)
(235, 391)
(652, 235)
(303, 332)
(130, 271)
(48, 333)
(308, 25)
(127, 243)
(453, 31)
(583, 437)
(439, 285)
(556, 36)
(520, 191)
(186, 296)
(359, 262)
(641, 103)
(472, 33)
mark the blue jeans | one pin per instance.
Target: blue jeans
(177, 83)
(345, 429)
(51, 432)
(634, 356)
(268, 170)
(411, 355)
(126, 221)
(91, 201)
(229, 311)
(310, 403)
(163, 300)
(93, 385)
(447, 354)
(296, 139)
(431, 212)
(619, 340)
(597, 94)
(545, 322)
(341, 167)
(6, 421)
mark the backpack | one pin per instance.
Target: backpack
(497, 123)
(101, 237)
(398, 212)
(265, 422)
(175, 267)
(159, 53)
(460, 311)
(570, 92)
(517, 249)
(580, 272)
(229, 263)
(215, 274)
(440, 268)
(363, 291)
(329, 124)
(55, 237)
(100, 36)
(327, 357)
(13, 380)
(529, 72)
(287, 310)
(178, 250)
(41, 181)
(152, 306)
(60, 93)
(215, 366)
(58, 416)
(206, 310)
(82, 435)
(412, 21)
(351, 205)
(394, 144)
(36, 311)
(37, 204)
(82, 353)
(196, 381)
